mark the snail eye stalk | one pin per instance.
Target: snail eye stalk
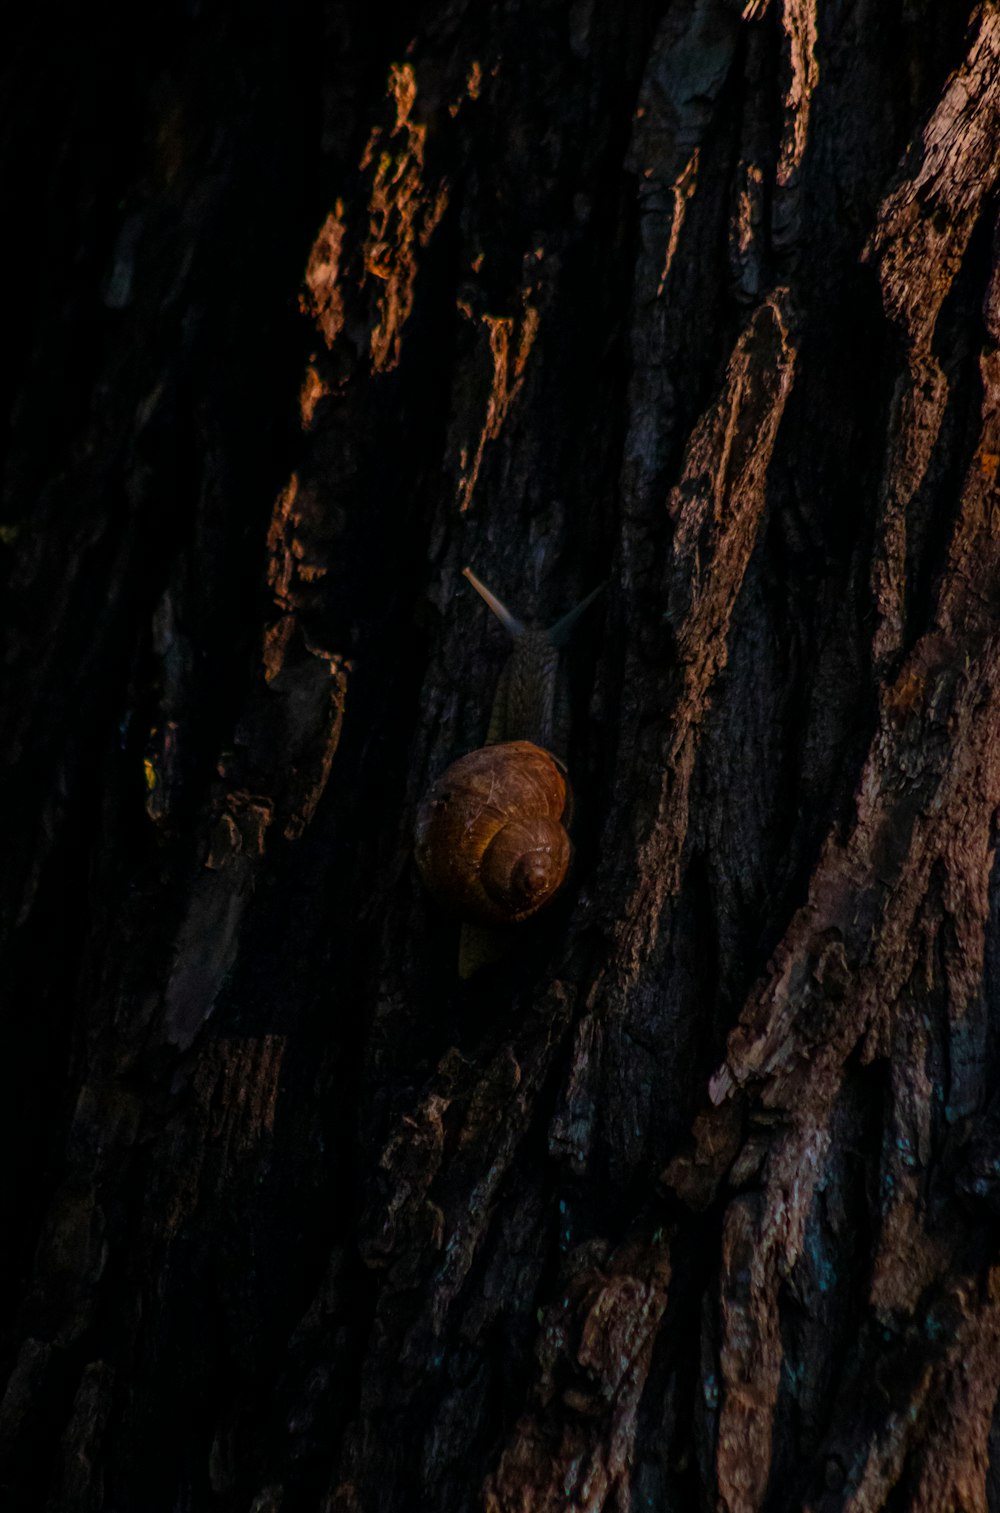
(510, 623)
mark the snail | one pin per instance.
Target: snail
(491, 835)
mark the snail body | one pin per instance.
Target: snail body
(491, 837)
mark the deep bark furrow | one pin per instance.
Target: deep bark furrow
(923, 229)
(594, 1352)
(716, 509)
(842, 971)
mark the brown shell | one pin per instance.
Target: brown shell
(490, 842)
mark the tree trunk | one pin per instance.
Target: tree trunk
(693, 1200)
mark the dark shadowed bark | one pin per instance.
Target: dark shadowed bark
(693, 1201)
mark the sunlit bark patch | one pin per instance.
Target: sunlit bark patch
(510, 343)
(324, 299)
(403, 213)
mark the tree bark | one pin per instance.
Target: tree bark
(691, 1202)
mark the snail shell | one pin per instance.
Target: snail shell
(490, 839)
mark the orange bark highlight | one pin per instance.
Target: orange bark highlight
(402, 215)
(323, 299)
(509, 356)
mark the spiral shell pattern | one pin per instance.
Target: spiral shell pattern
(490, 839)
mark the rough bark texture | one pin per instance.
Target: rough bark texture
(693, 1202)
